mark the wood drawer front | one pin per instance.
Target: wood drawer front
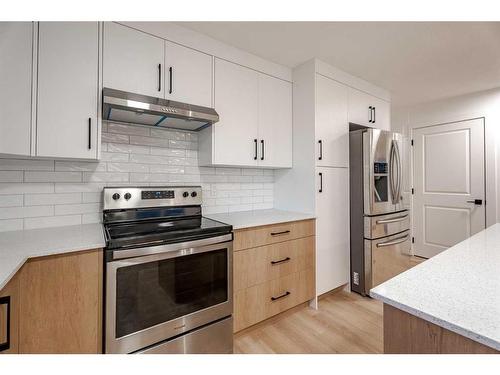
(254, 304)
(253, 237)
(254, 266)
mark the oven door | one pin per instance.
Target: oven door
(170, 290)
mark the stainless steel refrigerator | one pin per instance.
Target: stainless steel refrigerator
(379, 223)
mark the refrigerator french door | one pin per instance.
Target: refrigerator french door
(378, 218)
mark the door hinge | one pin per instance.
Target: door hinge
(412, 191)
(413, 240)
(412, 142)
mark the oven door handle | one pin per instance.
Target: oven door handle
(183, 248)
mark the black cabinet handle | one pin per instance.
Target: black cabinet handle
(320, 150)
(287, 293)
(255, 155)
(6, 345)
(170, 74)
(159, 77)
(374, 115)
(280, 233)
(320, 182)
(90, 133)
(262, 145)
(273, 262)
(370, 108)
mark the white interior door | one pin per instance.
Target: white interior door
(332, 228)
(448, 177)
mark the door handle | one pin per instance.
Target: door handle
(262, 144)
(374, 115)
(371, 114)
(477, 202)
(170, 79)
(394, 242)
(394, 220)
(255, 155)
(320, 182)
(159, 77)
(320, 150)
(90, 133)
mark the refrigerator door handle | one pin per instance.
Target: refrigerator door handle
(399, 170)
(394, 220)
(396, 241)
(391, 174)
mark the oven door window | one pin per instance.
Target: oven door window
(152, 293)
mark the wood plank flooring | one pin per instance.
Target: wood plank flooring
(344, 323)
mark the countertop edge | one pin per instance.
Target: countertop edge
(439, 322)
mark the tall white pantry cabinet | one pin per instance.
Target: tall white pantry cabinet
(325, 101)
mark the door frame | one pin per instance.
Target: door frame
(489, 168)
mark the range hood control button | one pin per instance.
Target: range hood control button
(185, 194)
(127, 196)
(194, 194)
(116, 196)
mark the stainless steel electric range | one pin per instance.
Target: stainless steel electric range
(168, 273)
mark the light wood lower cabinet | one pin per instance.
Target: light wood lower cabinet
(9, 317)
(275, 277)
(57, 304)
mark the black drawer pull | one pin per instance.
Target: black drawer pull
(170, 78)
(273, 262)
(6, 345)
(280, 233)
(255, 155)
(90, 133)
(159, 77)
(320, 142)
(287, 293)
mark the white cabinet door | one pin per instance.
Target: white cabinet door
(188, 75)
(332, 228)
(133, 61)
(236, 101)
(275, 122)
(332, 125)
(381, 114)
(360, 108)
(368, 110)
(68, 61)
(16, 66)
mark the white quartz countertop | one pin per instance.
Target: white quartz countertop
(458, 289)
(247, 219)
(18, 246)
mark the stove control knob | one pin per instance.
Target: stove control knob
(116, 196)
(194, 194)
(127, 196)
(185, 194)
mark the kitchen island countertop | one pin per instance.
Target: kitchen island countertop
(459, 289)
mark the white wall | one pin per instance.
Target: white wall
(484, 104)
(44, 193)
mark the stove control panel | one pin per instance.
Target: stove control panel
(116, 198)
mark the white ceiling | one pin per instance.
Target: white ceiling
(416, 61)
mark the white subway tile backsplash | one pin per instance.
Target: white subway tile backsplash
(11, 200)
(11, 176)
(12, 224)
(52, 176)
(43, 193)
(45, 199)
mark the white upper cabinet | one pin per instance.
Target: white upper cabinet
(255, 126)
(368, 110)
(133, 61)
(275, 122)
(68, 90)
(332, 125)
(16, 66)
(236, 101)
(188, 75)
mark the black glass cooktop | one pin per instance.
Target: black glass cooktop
(125, 235)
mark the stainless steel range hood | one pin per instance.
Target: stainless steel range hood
(121, 106)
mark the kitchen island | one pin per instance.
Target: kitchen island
(449, 303)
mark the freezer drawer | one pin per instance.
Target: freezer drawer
(385, 258)
(215, 338)
(386, 225)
